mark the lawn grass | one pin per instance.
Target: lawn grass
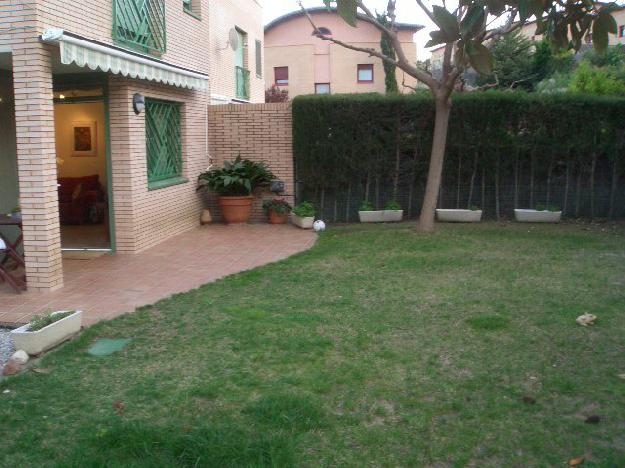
(378, 347)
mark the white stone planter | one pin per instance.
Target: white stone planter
(37, 342)
(381, 216)
(393, 216)
(459, 216)
(303, 222)
(535, 216)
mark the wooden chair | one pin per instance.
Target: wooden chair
(5, 253)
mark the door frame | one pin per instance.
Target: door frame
(72, 80)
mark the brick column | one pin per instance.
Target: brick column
(36, 161)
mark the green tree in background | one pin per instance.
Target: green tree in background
(390, 77)
(513, 56)
(594, 80)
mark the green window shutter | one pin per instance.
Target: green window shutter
(163, 140)
(259, 58)
(140, 25)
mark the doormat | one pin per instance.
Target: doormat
(106, 347)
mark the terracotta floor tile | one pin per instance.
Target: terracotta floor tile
(111, 285)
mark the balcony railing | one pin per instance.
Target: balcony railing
(140, 25)
(242, 83)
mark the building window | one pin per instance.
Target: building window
(322, 88)
(140, 25)
(242, 73)
(163, 137)
(322, 31)
(365, 73)
(621, 31)
(192, 7)
(259, 59)
(282, 75)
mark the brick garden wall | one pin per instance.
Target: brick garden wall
(260, 132)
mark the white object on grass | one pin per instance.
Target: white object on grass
(319, 226)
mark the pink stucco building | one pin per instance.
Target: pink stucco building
(300, 62)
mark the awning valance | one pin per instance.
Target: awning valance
(93, 55)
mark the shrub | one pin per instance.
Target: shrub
(366, 206)
(277, 205)
(41, 321)
(238, 178)
(598, 81)
(392, 205)
(304, 210)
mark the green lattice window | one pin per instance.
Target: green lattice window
(140, 24)
(163, 142)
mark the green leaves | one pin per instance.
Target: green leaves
(447, 22)
(473, 22)
(238, 177)
(480, 57)
(603, 24)
(347, 9)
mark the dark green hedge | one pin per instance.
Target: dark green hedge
(505, 150)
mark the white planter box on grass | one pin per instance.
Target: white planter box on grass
(459, 216)
(37, 342)
(304, 223)
(381, 216)
(535, 216)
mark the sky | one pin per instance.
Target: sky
(407, 12)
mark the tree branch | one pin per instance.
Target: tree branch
(426, 11)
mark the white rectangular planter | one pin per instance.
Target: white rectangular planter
(459, 216)
(381, 216)
(393, 216)
(303, 222)
(48, 337)
(534, 216)
(371, 216)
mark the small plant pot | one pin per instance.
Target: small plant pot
(278, 218)
(392, 216)
(37, 342)
(535, 216)
(459, 216)
(236, 209)
(303, 222)
(371, 216)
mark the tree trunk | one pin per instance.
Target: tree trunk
(497, 210)
(483, 188)
(578, 191)
(613, 188)
(532, 180)
(472, 183)
(397, 158)
(458, 183)
(549, 173)
(347, 201)
(435, 171)
(516, 179)
(592, 185)
(566, 186)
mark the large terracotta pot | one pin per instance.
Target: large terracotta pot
(277, 218)
(236, 209)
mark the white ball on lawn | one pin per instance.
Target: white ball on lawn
(319, 226)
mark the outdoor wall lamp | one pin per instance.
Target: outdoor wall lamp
(138, 103)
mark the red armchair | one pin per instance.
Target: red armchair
(77, 197)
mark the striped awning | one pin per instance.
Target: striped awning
(98, 56)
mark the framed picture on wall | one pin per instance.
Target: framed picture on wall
(85, 139)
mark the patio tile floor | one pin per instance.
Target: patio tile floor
(111, 285)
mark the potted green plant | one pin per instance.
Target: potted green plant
(277, 209)
(542, 214)
(472, 215)
(303, 215)
(235, 184)
(393, 212)
(45, 332)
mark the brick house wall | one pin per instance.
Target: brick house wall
(142, 217)
(260, 132)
